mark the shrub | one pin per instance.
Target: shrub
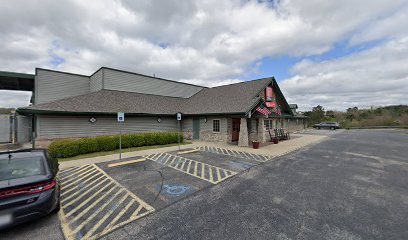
(87, 145)
(64, 148)
(74, 147)
(107, 143)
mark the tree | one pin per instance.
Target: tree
(330, 114)
(317, 114)
(351, 113)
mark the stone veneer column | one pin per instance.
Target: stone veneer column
(243, 134)
(261, 130)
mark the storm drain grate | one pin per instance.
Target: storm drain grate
(239, 154)
(194, 168)
(93, 204)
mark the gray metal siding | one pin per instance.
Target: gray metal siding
(23, 129)
(5, 128)
(121, 81)
(187, 124)
(96, 81)
(78, 126)
(51, 86)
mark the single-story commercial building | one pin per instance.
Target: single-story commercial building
(67, 105)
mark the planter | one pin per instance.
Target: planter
(275, 140)
(255, 145)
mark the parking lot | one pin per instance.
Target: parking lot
(349, 186)
(97, 199)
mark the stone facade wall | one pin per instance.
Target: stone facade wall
(213, 137)
(187, 134)
(206, 130)
(252, 130)
(243, 133)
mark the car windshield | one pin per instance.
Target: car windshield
(21, 167)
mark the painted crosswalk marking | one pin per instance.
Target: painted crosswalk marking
(194, 168)
(93, 204)
(238, 154)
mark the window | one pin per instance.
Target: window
(216, 125)
(268, 124)
(21, 167)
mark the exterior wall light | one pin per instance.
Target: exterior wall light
(92, 120)
(158, 119)
(205, 119)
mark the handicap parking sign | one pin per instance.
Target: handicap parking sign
(121, 116)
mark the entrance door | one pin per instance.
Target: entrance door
(236, 122)
(196, 128)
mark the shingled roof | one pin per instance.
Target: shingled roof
(236, 98)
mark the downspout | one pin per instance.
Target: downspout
(33, 128)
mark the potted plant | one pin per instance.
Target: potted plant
(255, 144)
(275, 140)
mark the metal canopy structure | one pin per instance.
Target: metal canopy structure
(16, 81)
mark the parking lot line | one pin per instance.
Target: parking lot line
(193, 169)
(120, 214)
(189, 151)
(126, 162)
(87, 201)
(73, 172)
(107, 215)
(103, 204)
(95, 213)
(234, 153)
(65, 201)
(78, 178)
(76, 187)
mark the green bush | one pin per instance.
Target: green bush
(87, 145)
(74, 147)
(64, 148)
(107, 143)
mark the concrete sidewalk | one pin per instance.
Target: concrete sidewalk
(298, 141)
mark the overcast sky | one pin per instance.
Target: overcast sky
(338, 54)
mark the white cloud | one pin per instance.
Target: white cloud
(205, 41)
(378, 76)
(11, 99)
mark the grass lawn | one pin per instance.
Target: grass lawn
(98, 154)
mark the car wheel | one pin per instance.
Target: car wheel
(318, 127)
(332, 128)
(58, 207)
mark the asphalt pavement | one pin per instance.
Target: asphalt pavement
(351, 186)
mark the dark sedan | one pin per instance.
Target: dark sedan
(28, 186)
(327, 125)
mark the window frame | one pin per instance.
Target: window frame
(270, 123)
(219, 126)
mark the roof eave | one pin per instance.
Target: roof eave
(25, 111)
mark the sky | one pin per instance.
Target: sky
(338, 54)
